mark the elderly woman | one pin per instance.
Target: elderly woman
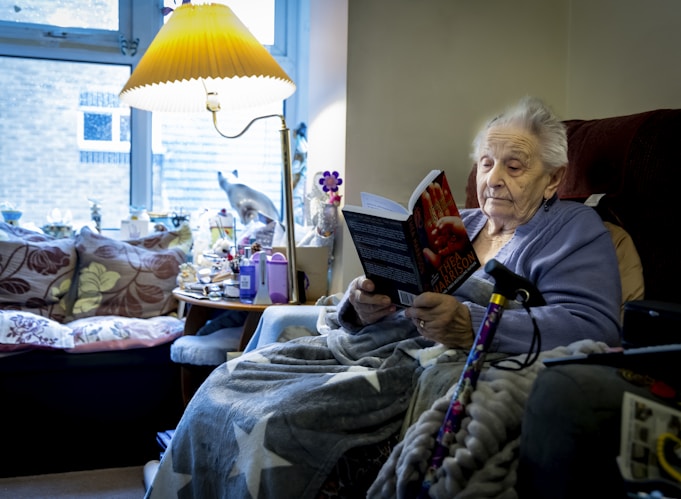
(275, 421)
(562, 247)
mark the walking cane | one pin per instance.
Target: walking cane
(508, 286)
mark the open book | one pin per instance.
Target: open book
(406, 251)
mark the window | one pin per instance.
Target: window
(66, 139)
(57, 149)
(64, 13)
(103, 125)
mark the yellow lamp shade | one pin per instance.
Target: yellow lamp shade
(205, 48)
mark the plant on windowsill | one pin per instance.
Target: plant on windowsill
(329, 201)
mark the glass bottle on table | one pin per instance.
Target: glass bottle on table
(247, 280)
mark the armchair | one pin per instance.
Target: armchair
(571, 425)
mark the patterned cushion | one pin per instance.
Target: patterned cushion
(36, 272)
(129, 279)
(100, 333)
(24, 330)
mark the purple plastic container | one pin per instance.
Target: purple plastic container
(277, 277)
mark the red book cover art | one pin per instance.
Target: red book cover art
(448, 254)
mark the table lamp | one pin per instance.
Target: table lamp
(204, 58)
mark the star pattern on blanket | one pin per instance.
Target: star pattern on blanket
(313, 399)
(179, 479)
(253, 456)
(356, 372)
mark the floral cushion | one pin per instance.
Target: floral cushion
(26, 331)
(129, 279)
(96, 334)
(36, 272)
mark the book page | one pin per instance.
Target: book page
(376, 202)
(644, 421)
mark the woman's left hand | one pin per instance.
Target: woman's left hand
(442, 318)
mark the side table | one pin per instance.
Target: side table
(198, 312)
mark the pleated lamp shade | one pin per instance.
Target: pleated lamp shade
(205, 48)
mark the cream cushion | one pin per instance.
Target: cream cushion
(631, 270)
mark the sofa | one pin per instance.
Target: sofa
(86, 324)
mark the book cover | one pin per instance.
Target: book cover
(407, 251)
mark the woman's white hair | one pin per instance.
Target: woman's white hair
(532, 115)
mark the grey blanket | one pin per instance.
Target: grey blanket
(274, 422)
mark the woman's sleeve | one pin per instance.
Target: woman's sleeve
(347, 316)
(576, 271)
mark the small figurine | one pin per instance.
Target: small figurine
(96, 214)
(223, 247)
(247, 202)
(187, 275)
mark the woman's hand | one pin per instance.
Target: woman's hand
(370, 307)
(440, 317)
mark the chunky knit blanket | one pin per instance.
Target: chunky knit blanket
(483, 458)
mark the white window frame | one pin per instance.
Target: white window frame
(139, 21)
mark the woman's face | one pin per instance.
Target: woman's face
(511, 179)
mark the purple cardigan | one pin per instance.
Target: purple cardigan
(568, 253)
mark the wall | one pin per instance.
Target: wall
(625, 57)
(327, 100)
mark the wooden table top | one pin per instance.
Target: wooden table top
(223, 303)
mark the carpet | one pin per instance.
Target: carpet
(111, 483)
